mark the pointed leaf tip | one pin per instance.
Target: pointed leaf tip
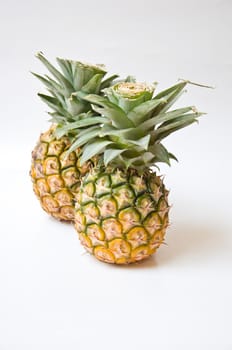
(39, 53)
(196, 84)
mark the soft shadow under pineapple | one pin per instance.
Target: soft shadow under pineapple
(183, 240)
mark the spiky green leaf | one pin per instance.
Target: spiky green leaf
(84, 137)
(56, 118)
(75, 106)
(173, 89)
(54, 104)
(160, 153)
(57, 87)
(171, 95)
(108, 109)
(92, 149)
(172, 156)
(83, 123)
(110, 154)
(142, 112)
(163, 117)
(60, 78)
(108, 82)
(93, 85)
(127, 134)
(182, 122)
(66, 68)
(143, 143)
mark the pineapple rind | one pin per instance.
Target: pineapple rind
(56, 178)
(131, 224)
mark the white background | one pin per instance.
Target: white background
(52, 294)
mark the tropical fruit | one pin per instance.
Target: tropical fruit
(122, 204)
(122, 216)
(56, 175)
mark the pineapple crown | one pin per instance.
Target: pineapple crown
(66, 87)
(130, 125)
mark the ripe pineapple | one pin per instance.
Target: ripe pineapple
(122, 205)
(122, 216)
(55, 175)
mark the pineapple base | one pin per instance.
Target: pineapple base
(121, 217)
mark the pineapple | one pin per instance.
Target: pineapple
(122, 205)
(122, 216)
(56, 175)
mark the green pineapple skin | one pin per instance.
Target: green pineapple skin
(121, 217)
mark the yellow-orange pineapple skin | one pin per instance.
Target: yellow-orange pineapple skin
(55, 175)
(121, 217)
